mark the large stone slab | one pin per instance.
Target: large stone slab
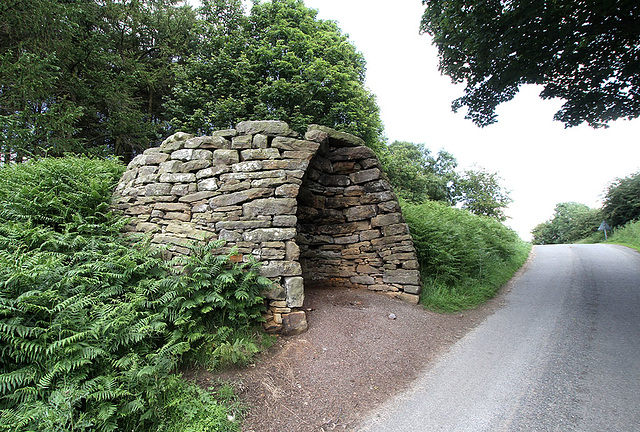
(265, 127)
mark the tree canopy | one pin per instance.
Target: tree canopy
(114, 77)
(584, 52)
(279, 62)
(571, 222)
(418, 176)
(481, 193)
(83, 75)
(622, 200)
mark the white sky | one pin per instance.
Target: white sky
(540, 162)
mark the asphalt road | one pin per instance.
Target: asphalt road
(562, 355)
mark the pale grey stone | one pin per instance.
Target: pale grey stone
(265, 127)
(239, 197)
(341, 137)
(154, 158)
(287, 190)
(225, 157)
(230, 235)
(412, 289)
(177, 178)
(281, 268)
(242, 225)
(195, 165)
(209, 184)
(248, 166)
(152, 150)
(402, 277)
(241, 142)
(182, 154)
(270, 206)
(260, 141)
(200, 154)
(172, 166)
(167, 207)
(293, 144)
(197, 196)
(182, 189)
(260, 154)
(362, 280)
(213, 171)
(284, 220)
(154, 189)
(136, 162)
(269, 234)
(226, 133)
(292, 251)
(294, 287)
(206, 142)
(316, 135)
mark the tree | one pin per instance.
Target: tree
(481, 193)
(417, 176)
(584, 52)
(570, 223)
(622, 200)
(279, 63)
(87, 75)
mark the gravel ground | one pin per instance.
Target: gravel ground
(361, 348)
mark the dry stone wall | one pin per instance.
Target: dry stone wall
(315, 210)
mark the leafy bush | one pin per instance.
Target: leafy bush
(622, 200)
(92, 324)
(627, 235)
(463, 258)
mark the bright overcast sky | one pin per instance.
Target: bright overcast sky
(540, 162)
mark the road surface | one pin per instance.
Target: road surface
(562, 355)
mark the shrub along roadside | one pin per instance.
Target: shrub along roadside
(464, 258)
(93, 325)
(626, 235)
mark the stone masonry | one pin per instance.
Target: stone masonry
(316, 211)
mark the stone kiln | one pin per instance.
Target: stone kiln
(315, 211)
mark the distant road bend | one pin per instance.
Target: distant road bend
(562, 355)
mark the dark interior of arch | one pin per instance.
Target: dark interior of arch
(345, 211)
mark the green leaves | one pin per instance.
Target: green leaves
(584, 53)
(280, 63)
(86, 76)
(416, 175)
(464, 258)
(92, 323)
(570, 223)
(622, 200)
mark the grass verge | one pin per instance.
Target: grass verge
(464, 258)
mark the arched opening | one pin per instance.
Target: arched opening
(350, 229)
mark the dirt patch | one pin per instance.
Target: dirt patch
(361, 348)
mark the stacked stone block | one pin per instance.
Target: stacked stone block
(316, 209)
(350, 228)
